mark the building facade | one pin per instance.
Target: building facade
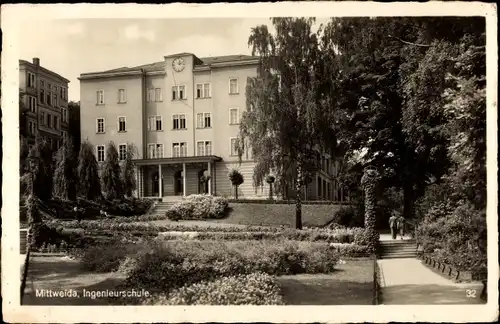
(44, 99)
(182, 116)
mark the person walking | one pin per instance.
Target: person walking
(393, 225)
(401, 226)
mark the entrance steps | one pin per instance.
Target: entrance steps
(164, 205)
(398, 249)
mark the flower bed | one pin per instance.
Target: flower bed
(198, 207)
(251, 289)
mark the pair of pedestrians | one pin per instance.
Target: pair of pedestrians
(397, 225)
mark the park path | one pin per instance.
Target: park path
(409, 282)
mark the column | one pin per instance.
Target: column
(160, 182)
(184, 179)
(209, 168)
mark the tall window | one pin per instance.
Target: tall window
(234, 151)
(155, 123)
(203, 90)
(100, 97)
(100, 153)
(64, 113)
(31, 80)
(121, 96)
(233, 86)
(178, 92)
(32, 127)
(204, 148)
(151, 95)
(203, 120)
(64, 134)
(32, 103)
(42, 118)
(42, 84)
(158, 95)
(179, 149)
(49, 99)
(122, 124)
(42, 96)
(56, 122)
(234, 116)
(122, 151)
(100, 125)
(49, 121)
(54, 99)
(179, 121)
(155, 150)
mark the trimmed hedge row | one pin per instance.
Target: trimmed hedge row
(198, 207)
(251, 289)
(286, 202)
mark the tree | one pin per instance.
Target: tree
(111, 174)
(369, 183)
(74, 123)
(236, 179)
(41, 170)
(88, 173)
(128, 171)
(65, 176)
(270, 180)
(287, 121)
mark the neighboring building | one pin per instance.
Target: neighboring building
(182, 115)
(44, 96)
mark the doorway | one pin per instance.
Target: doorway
(179, 183)
(155, 184)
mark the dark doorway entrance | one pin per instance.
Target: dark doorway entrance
(202, 183)
(155, 184)
(178, 183)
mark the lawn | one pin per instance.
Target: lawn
(278, 214)
(351, 284)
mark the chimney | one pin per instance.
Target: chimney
(36, 61)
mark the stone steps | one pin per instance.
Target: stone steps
(398, 249)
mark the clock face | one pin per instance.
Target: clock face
(178, 64)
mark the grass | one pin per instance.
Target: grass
(351, 284)
(278, 214)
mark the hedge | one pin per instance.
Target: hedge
(251, 289)
(287, 202)
(198, 207)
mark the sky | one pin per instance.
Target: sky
(70, 47)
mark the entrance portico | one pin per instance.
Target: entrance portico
(180, 176)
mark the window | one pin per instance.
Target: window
(49, 101)
(234, 151)
(179, 92)
(122, 151)
(42, 84)
(56, 120)
(42, 118)
(32, 103)
(234, 116)
(100, 153)
(49, 120)
(158, 95)
(42, 96)
(203, 90)
(121, 124)
(55, 90)
(204, 148)
(151, 95)
(233, 86)
(179, 149)
(100, 97)
(100, 126)
(64, 134)
(203, 120)
(31, 80)
(32, 127)
(155, 123)
(64, 113)
(54, 101)
(61, 92)
(65, 94)
(179, 121)
(155, 151)
(121, 96)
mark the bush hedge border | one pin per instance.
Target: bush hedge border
(286, 202)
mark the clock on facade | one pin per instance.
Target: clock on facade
(178, 64)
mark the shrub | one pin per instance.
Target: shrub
(252, 289)
(236, 179)
(174, 264)
(349, 216)
(198, 207)
(107, 257)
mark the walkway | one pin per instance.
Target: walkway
(409, 282)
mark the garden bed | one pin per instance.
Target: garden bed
(451, 272)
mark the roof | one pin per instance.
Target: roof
(205, 61)
(44, 70)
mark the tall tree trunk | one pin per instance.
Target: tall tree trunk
(270, 191)
(298, 198)
(236, 192)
